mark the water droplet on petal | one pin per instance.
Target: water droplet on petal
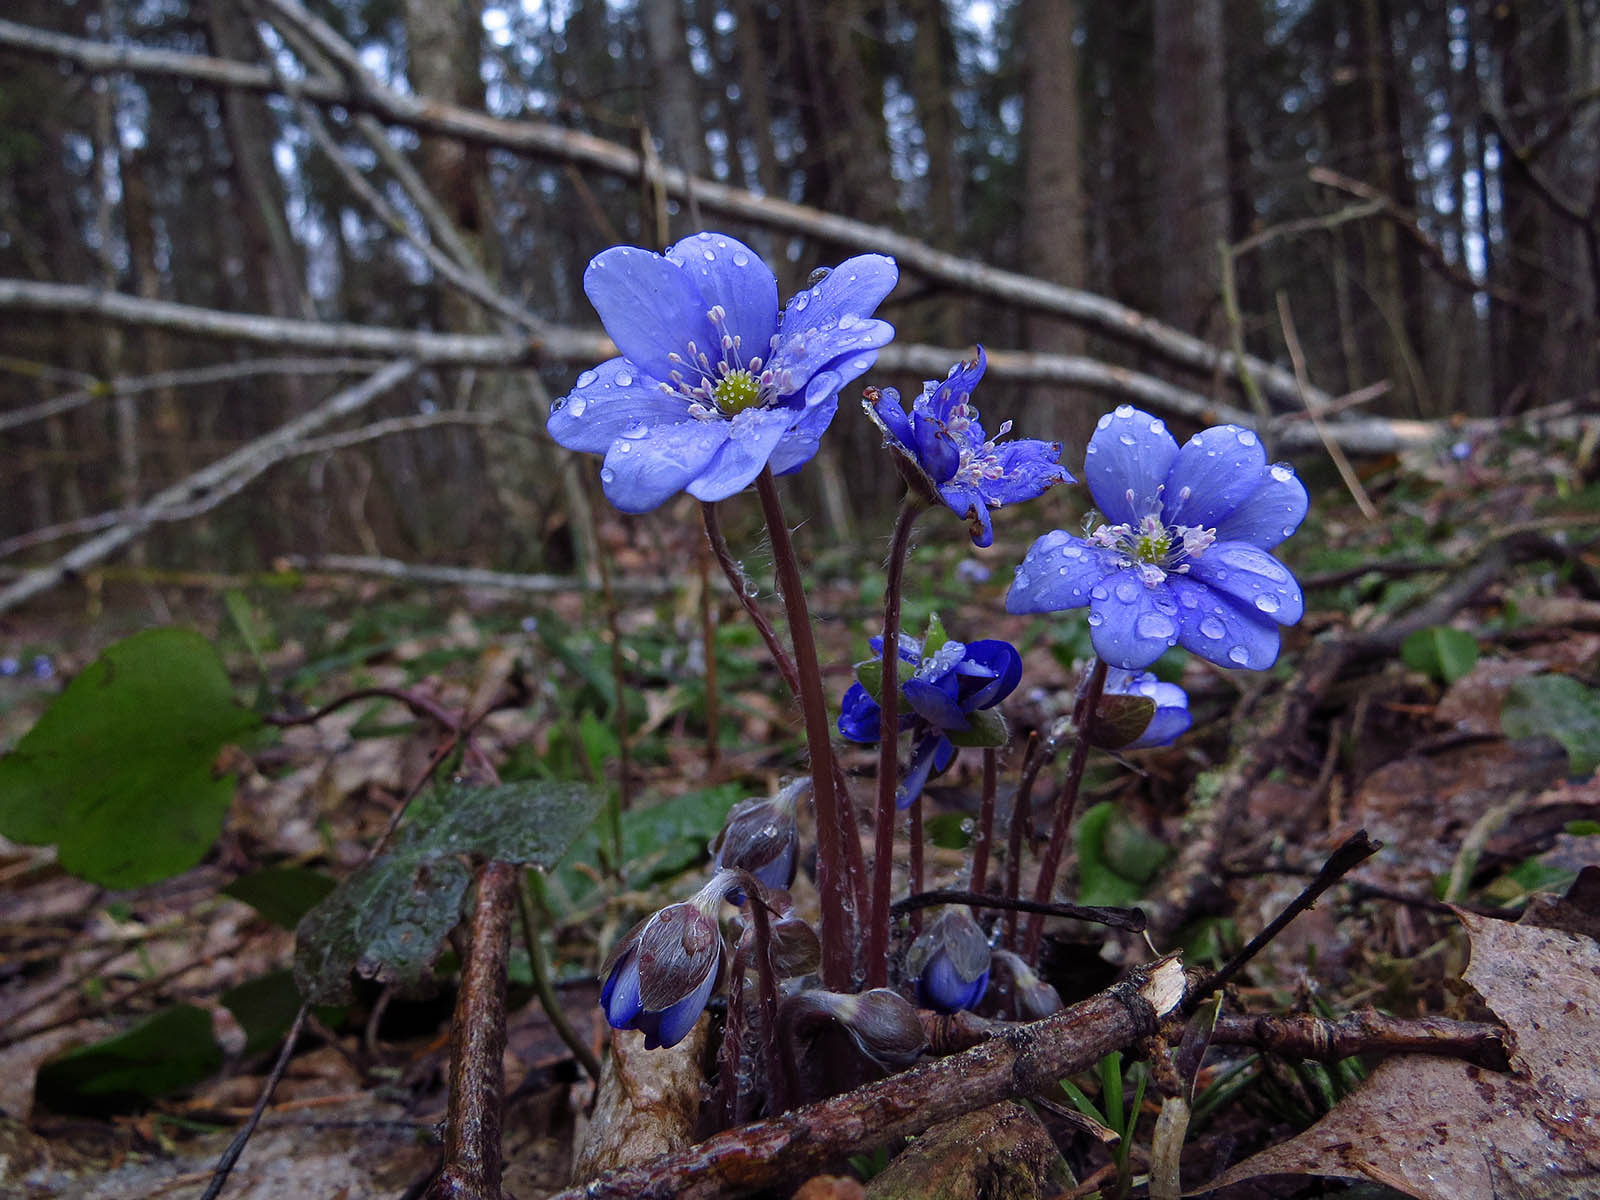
(607, 475)
(587, 378)
(1238, 655)
(1127, 591)
(1096, 620)
(623, 379)
(711, 256)
(636, 430)
(741, 259)
(1154, 625)
(1126, 439)
(1124, 410)
(624, 447)
(577, 406)
(1102, 423)
(1246, 438)
(1213, 628)
(1267, 603)
(1281, 473)
(1099, 593)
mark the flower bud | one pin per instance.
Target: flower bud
(883, 1024)
(950, 962)
(1031, 997)
(660, 975)
(760, 836)
(1139, 711)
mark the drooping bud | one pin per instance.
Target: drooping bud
(760, 836)
(659, 976)
(1138, 711)
(1030, 997)
(883, 1024)
(950, 962)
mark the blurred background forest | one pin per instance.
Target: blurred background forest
(218, 217)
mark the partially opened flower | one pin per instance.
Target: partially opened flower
(660, 975)
(1157, 715)
(950, 962)
(1182, 558)
(946, 701)
(760, 836)
(945, 455)
(714, 383)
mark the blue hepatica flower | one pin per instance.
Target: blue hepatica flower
(659, 977)
(950, 962)
(947, 456)
(1182, 558)
(1168, 722)
(949, 686)
(713, 382)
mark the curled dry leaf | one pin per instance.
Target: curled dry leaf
(1442, 1129)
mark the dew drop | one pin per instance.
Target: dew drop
(636, 430)
(711, 256)
(587, 378)
(1288, 531)
(1238, 655)
(800, 301)
(624, 447)
(1099, 593)
(1267, 603)
(1155, 625)
(1103, 422)
(1246, 438)
(741, 259)
(577, 406)
(607, 475)
(623, 379)
(1127, 591)
(1213, 628)
(848, 321)
(1281, 473)
(1126, 439)
(1157, 427)
(1124, 410)
(1096, 620)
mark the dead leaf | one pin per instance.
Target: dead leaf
(1440, 1129)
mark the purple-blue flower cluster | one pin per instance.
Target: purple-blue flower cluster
(943, 448)
(1182, 556)
(951, 683)
(713, 382)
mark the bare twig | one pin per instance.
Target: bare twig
(232, 470)
(1365, 1032)
(230, 1156)
(473, 577)
(1130, 919)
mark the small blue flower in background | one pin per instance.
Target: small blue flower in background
(950, 962)
(1170, 719)
(9, 666)
(43, 668)
(714, 383)
(660, 975)
(942, 446)
(1182, 558)
(951, 684)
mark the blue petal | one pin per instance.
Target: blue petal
(650, 307)
(968, 504)
(672, 1025)
(1214, 472)
(956, 388)
(597, 412)
(935, 705)
(1217, 629)
(1128, 460)
(1252, 578)
(620, 996)
(752, 436)
(1166, 727)
(641, 475)
(1029, 467)
(941, 987)
(1059, 571)
(1131, 624)
(1270, 513)
(799, 445)
(832, 320)
(1000, 658)
(934, 447)
(731, 274)
(894, 417)
(930, 755)
(861, 720)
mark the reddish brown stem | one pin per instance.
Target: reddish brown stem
(884, 818)
(914, 860)
(980, 845)
(471, 1168)
(833, 881)
(1066, 804)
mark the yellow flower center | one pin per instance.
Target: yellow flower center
(736, 391)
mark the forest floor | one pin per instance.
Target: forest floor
(1479, 781)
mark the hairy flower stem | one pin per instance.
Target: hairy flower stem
(781, 1081)
(1066, 803)
(914, 859)
(888, 698)
(985, 835)
(838, 934)
(856, 864)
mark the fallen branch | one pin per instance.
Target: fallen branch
(1022, 1060)
(476, 577)
(233, 470)
(1365, 1032)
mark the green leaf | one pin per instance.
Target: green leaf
(988, 730)
(282, 894)
(118, 772)
(265, 1007)
(389, 920)
(869, 674)
(1560, 707)
(1444, 653)
(167, 1052)
(1116, 858)
(934, 637)
(947, 830)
